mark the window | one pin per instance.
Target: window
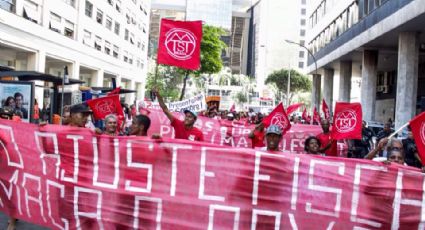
(117, 28)
(126, 34)
(107, 48)
(142, 65)
(31, 11)
(69, 29)
(108, 23)
(110, 2)
(303, 22)
(99, 16)
(303, 11)
(303, 2)
(87, 38)
(118, 5)
(55, 22)
(115, 51)
(143, 47)
(125, 58)
(70, 2)
(139, 44)
(8, 5)
(301, 65)
(302, 42)
(130, 59)
(132, 38)
(301, 54)
(98, 43)
(302, 32)
(89, 9)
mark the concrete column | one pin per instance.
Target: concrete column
(345, 81)
(75, 71)
(118, 80)
(368, 87)
(407, 77)
(97, 79)
(315, 94)
(40, 62)
(328, 88)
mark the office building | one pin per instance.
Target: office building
(374, 46)
(99, 40)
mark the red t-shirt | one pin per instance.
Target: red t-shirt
(324, 140)
(193, 134)
(258, 139)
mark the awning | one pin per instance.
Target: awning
(34, 75)
(108, 89)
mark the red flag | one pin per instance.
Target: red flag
(278, 117)
(325, 110)
(347, 121)
(316, 116)
(180, 44)
(114, 91)
(106, 105)
(293, 108)
(418, 130)
(232, 108)
(305, 117)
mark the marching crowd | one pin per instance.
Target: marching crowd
(389, 150)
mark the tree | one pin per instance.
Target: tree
(168, 80)
(298, 83)
(211, 48)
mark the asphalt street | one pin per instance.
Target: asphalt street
(20, 225)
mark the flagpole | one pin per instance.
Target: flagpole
(398, 130)
(65, 78)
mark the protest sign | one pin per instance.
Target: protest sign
(64, 177)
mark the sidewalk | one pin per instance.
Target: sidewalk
(20, 225)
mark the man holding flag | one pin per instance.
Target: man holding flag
(327, 144)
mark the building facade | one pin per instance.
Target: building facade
(99, 40)
(272, 23)
(229, 15)
(374, 46)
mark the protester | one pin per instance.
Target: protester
(257, 136)
(384, 145)
(7, 114)
(79, 114)
(273, 138)
(140, 125)
(312, 146)
(328, 146)
(111, 125)
(360, 148)
(411, 151)
(182, 129)
(384, 133)
(19, 99)
(36, 115)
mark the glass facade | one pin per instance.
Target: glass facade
(216, 13)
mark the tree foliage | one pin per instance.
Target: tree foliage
(298, 82)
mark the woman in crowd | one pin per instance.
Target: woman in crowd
(312, 146)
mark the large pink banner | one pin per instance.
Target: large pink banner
(69, 178)
(235, 134)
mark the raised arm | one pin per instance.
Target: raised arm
(163, 105)
(383, 142)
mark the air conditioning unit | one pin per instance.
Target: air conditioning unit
(380, 88)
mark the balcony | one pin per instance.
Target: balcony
(8, 5)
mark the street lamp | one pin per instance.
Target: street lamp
(309, 52)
